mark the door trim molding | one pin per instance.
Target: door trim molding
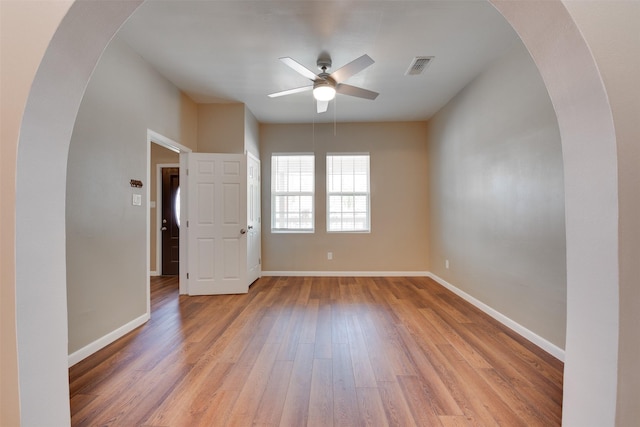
(156, 138)
(256, 159)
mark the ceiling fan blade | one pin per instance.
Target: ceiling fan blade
(353, 67)
(296, 66)
(290, 91)
(356, 91)
(322, 106)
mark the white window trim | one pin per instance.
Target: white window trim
(328, 194)
(307, 193)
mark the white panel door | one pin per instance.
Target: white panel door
(254, 230)
(217, 218)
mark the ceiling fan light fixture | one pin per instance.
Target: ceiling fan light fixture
(324, 92)
(325, 85)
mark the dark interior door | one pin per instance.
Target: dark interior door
(170, 222)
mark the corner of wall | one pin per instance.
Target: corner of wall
(251, 133)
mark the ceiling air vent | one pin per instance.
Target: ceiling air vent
(418, 65)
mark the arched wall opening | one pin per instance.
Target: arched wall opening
(584, 114)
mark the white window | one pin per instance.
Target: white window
(292, 192)
(348, 192)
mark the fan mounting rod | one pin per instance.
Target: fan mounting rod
(324, 64)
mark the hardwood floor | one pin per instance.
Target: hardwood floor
(319, 352)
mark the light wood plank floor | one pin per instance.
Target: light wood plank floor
(318, 352)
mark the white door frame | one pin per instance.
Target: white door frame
(156, 138)
(259, 227)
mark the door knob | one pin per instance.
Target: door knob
(164, 229)
(243, 231)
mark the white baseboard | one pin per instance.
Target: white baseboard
(100, 343)
(347, 273)
(153, 273)
(547, 346)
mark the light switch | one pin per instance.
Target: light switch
(136, 200)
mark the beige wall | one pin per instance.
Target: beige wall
(399, 215)
(221, 128)
(251, 133)
(227, 128)
(159, 155)
(497, 196)
(106, 234)
(188, 122)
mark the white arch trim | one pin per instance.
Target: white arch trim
(45, 134)
(591, 205)
(588, 142)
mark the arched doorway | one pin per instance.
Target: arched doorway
(583, 111)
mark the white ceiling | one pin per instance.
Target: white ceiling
(227, 51)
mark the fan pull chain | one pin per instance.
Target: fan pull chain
(313, 134)
(335, 109)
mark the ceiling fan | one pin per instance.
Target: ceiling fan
(326, 85)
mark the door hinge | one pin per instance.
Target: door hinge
(187, 275)
(187, 224)
(187, 172)
(259, 261)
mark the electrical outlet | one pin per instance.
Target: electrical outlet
(329, 256)
(446, 264)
